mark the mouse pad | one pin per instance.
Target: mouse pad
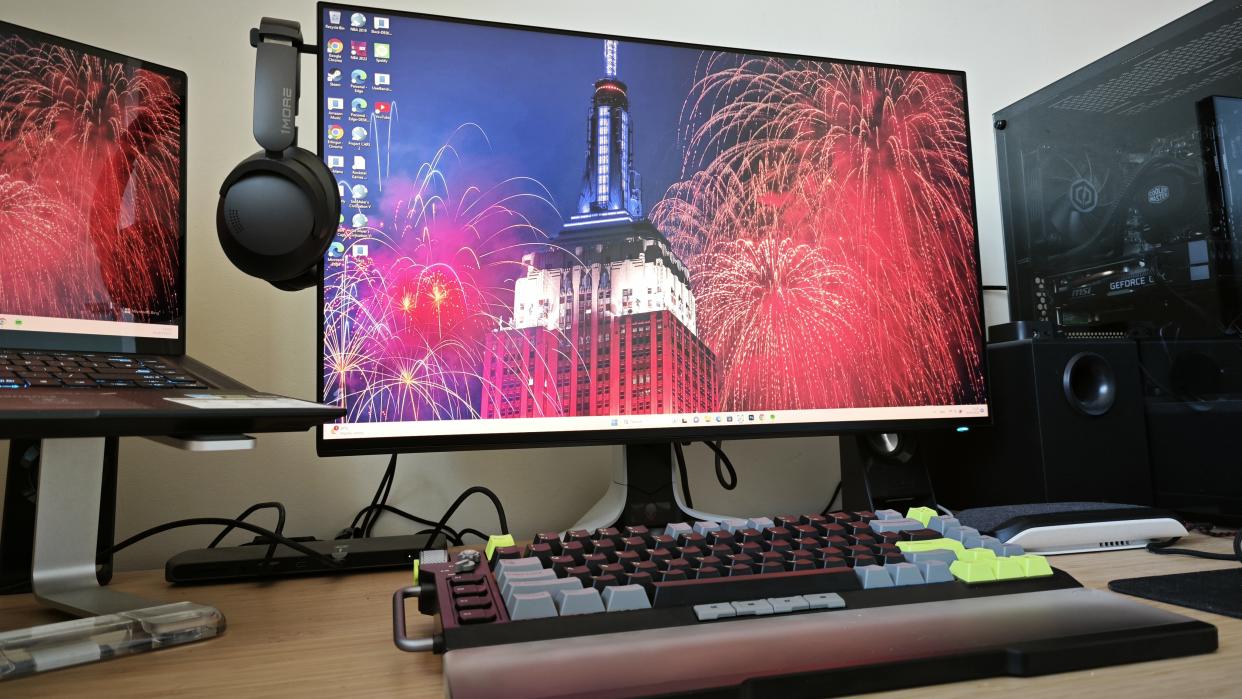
(1216, 591)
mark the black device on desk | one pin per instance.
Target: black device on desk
(494, 285)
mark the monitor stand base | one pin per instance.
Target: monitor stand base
(641, 490)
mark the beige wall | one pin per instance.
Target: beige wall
(266, 338)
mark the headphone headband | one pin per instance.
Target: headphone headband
(277, 84)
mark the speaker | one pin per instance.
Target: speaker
(884, 471)
(1068, 425)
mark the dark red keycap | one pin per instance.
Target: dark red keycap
(881, 549)
(675, 563)
(891, 537)
(866, 560)
(778, 545)
(707, 562)
(891, 557)
(541, 551)
(639, 531)
(629, 563)
(662, 541)
(785, 520)
(690, 553)
(551, 539)
(658, 555)
(738, 569)
(751, 548)
(828, 552)
(671, 575)
(634, 543)
(722, 550)
(807, 544)
(482, 602)
(595, 561)
(920, 534)
(719, 536)
(574, 550)
(691, 539)
(860, 539)
(816, 521)
(799, 560)
(839, 517)
(864, 515)
(855, 551)
(831, 562)
(643, 579)
(469, 590)
(561, 564)
(476, 616)
(607, 533)
(858, 527)
(734, 559)
(582, 573)
(613, 569)
(465, 579)
(800, 530)
(775, 533)
(607, 548)
(838, 541)
(645, 567)
(579, 535)
(771, 562)
(506, 552)
(628, 558)
(832, 529)
(707, 573)
(599, 582)
(743, 535)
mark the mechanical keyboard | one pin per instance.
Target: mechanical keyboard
(810, 605)
(33, 369)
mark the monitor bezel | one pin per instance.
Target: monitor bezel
(515, 440)
(127, 344)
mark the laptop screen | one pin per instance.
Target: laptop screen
(91, 198)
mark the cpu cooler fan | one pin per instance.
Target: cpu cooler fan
(1079, 200)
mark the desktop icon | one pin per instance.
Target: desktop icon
(613, 422)
(359, 133)
(772, 416)
(358, 49)
(717, 418)
(357, 20)
(336, 249)
(359, 250)
(358, 77)
(358, 105)
(341, 188)
(382, 51)
(359, 220)
(334, 76)
(383, 107)
(383, 79)
(381, 22)
(336, 161)
(335, 46)
(358, 191)
(696, 419)
(334, 16)
(360, 163)
(752, 417)
(729, 419)
(335, 132)
(336, 103)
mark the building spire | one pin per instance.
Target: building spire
(610, 58)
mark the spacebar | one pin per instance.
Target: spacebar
(683, 593)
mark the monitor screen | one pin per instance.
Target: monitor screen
(91, 168)
(552, 236)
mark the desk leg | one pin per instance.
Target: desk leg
(66, 531)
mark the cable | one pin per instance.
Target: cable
(220, 521)
(473, 532)
(453, 536)
(681, 470)
(370, 514)
(1164, 549)
(280, 529)
(835, 492)
(723, 459)
(500, 512)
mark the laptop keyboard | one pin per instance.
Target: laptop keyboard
(24, 369)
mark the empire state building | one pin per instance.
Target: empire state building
(603, 321)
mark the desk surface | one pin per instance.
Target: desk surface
(333, 636)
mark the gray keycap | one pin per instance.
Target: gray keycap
(548, 586)
(760, 523)
(753, 607)
(584, 601)
(784, 605)
(945, 555)
(960, 533)
(621, 598)
(704, 527)
(733, 524)
(708, 612)
(1010, 550)
(941, 522)
(904, 574)
(991, 543)
(952, 531)
(888, 514)
(824, 600)
(935, 571)
(512, 578)
(515, 565)
(872, 577)
(895, 525)
(534, 605)
(972, 541)
(676, 529)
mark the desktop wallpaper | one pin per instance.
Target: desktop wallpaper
(90, 193)
(543, 224)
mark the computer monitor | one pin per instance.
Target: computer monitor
(554, 237)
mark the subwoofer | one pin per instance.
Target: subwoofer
(1068, 425)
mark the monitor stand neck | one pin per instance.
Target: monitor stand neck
(641, 491)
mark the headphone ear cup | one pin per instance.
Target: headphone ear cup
(277, 216)
(305, 280)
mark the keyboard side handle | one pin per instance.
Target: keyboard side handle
(405, 643)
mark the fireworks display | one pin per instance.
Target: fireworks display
(410, 303)
(89, 185)
(825, 212)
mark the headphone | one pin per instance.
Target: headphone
(279, 208)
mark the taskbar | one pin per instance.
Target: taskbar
(721, 420)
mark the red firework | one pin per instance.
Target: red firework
(841, 195)
(98, 143)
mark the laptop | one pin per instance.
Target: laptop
(93, 255)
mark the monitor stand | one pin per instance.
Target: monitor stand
(641, 491)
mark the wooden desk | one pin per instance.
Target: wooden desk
(332, 636)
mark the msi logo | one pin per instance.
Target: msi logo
(286, 110)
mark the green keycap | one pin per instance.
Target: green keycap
(973, 571)
(922, 514)
(1009, 569)
(931, 545)
(1034, 566)
(979, 555)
